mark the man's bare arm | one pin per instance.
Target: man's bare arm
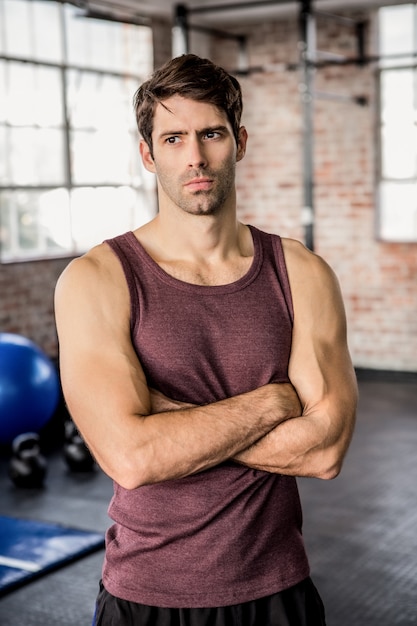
(315, 441)
(321, 371)
(108, 398)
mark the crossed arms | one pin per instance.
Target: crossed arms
(140, 437)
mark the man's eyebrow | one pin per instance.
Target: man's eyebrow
(202, 131)
(170, 133)
(213, 129)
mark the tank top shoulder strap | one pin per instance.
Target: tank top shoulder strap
(125, 248)
(273, 252)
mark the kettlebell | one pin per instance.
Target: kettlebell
(27, 467)
(76, 453)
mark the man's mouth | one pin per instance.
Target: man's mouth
(199, 184)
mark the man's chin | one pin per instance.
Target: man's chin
(201, 209)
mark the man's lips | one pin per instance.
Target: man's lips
(199, 184)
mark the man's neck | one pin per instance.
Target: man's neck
(207, 250)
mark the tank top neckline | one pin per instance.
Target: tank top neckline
(177, 283)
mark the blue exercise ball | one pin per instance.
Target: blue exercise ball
(29, 387)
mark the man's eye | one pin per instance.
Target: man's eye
(212, 134)
(172, 140)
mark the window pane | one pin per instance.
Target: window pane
(396, 28)
(2, 33)
(3, 98)
(100, 101)
(399, 151)
(109, 46)
(100, 157)
(33, 95)
(32, 29)
(37, 223)
(5, 176)
(16, 14)
(397, 96)
(54, 218)
(47, 31)
(34, 223)
(104, 140)
(100, 213)
(399, 124)
(35, 156)
(398, 211)
(91, 42)
(138, 51)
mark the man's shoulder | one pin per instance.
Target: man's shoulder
(98, 264)
(304, 263)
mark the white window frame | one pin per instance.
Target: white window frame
(397, 167)
(117, 204)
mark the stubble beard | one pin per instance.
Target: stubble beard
(203, 202)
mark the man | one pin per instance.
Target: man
(206, 365)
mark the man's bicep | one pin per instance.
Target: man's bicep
(320, 365)
(102, 380)
(320, 362)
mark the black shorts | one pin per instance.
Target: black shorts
(300, 605)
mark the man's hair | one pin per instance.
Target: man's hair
(191, 77)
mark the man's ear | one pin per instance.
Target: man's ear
(147, 159)
(241, 146)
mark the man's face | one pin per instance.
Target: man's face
(194, 155)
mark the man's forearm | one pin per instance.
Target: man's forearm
(307, 445)
(183, 441)
(266, 453)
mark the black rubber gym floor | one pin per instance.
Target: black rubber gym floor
(360, 529)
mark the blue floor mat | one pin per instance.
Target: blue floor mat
(29, 549)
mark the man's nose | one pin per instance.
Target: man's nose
(196, 156)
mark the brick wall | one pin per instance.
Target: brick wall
(378, 279)
(26, 301)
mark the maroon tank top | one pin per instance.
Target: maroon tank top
(229, 534)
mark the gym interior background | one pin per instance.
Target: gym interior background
(330, 93)
(363, 137)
